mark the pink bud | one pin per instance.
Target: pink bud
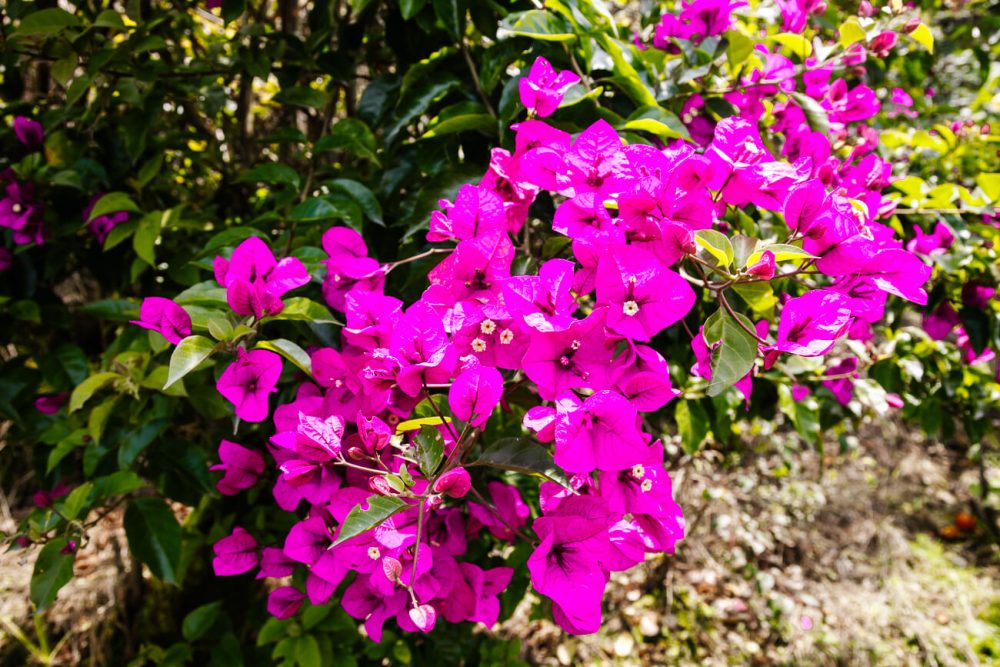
(423, 617)
(455, 483)
(764, 268)
(356, 453)
(69, 548)
(894, 401)
(865, 9)
(985, 129)
(378, 485)
(434, 502)
(911, 25)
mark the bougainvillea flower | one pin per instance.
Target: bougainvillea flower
(475, 271)
(274, 564)
(474, 394)
(596, 162)
(44, 498)
(476, 211)
(575, 357)
(255, 280)
(581, 216)
(319, 439)
(422, 347)
(543, 302)
(842, 387)
(364, 603)
(566, 565)
(511, 512)
(283, 602)
(51, 403)
(235, 554)
(164, 317)
(812, 323)
(102, 225)
(894, 270)
(646, 381)
(474, 594)
(18, 209)
(349, 267)
(241, 467)
(455, 483)
(603, 433)
(975, 295)
(29, 132)
(642, 297)
(543, 89)
(248, 382)
(935, 243)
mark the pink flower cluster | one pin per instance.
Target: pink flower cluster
(577, 331)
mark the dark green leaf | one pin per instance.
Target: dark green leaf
(88, 387)
(522, 455)
(272, 173)
(53, 570)
(430, 449)
(360, 520)
(735, 357)
(45, 22)
(112, 203)
(301, 309)
(200, 621)
(314, 209)
(154, 536)
(692, 423)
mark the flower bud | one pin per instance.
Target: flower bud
(883, 43)
(356, 454)
(911, 25)
(764, 268)
(434, 502)
(865, 9)
(423, 617)
(377, 484)
(455, 483)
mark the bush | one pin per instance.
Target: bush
(446, 235)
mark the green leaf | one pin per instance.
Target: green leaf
(804, 414)
(759, 295)
(314, 209)
(717, 244)
(63, 448)
(692, 424)
(365, 198)
(73, 504)
(200, 621)
(451, 13)
(206, 293)
(154, 536)
(360, 520)
(430, 449)
(627, 77)
(306, 651)
(816, 115)
(112, 203)
(272, 173)
(410, 8)
(797, 45)
(657, 120)
(146, 233)
(851, 32)
(112, 309)
(119, 233)
(137, 439)
(352, 136)
(525, 456)
(109, 18)
(735, 357)
(187, 355)
(98, 417)
(53, 570)
(290, 351)
(481, 122)
(117, 484)
(538, 24)
(301, 309)
(46, 22)
(739, 49)
(783, 252)
(301, 96)
(88, 387)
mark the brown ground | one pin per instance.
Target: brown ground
(785, 563)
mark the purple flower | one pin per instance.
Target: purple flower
(248, 381)
(164, 317)
(51, 403)
(543, 89)
(20, 212)
(476, 211)
(642, 297)
(284, 602)
(241, 468)
(235, 554)
(455, 483)
(842, 387)
(29, 132)
(511, 511)
(935, 243)
(421, 345)
(602, 433)
(576, 357)
(255, 280)
(811, 324)
(474, 394)
(348, 267)
(102, 225)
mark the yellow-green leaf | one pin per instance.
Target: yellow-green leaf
(922, 36)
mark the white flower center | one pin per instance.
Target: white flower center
(646, 485)
(16, 208)
(488, 327)
(506, 337)
(575, 345)
(630, 308)
(638, 471)
(750, 147)
(479, 345)
(374, 553)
